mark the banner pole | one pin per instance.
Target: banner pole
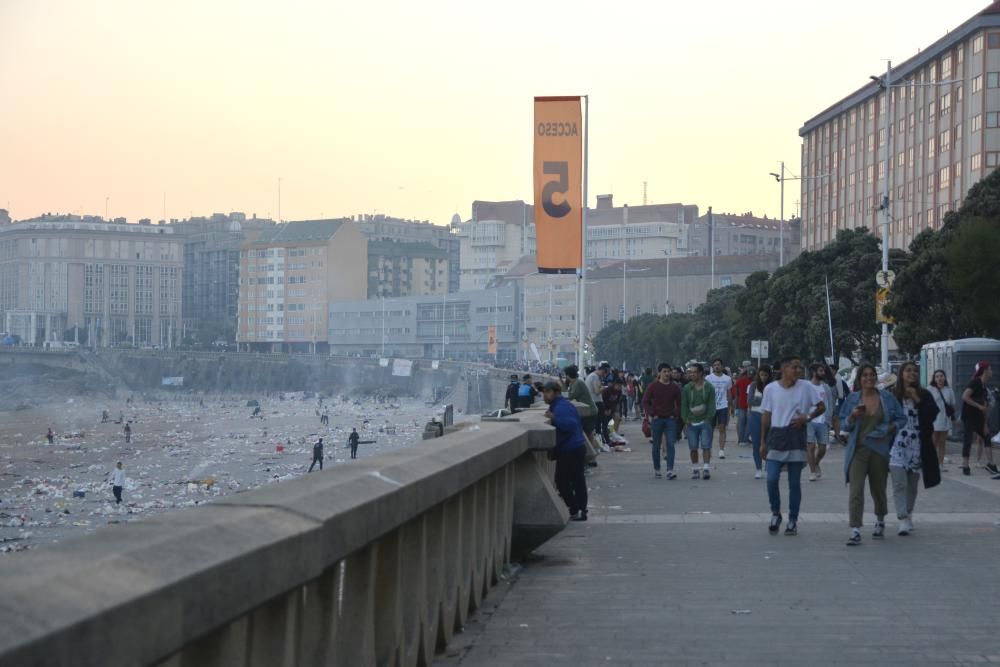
(582, 306)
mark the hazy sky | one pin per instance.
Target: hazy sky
(416, 108)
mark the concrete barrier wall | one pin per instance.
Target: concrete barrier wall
(375, 563)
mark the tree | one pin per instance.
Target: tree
(972, 254)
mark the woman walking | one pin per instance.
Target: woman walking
(944, 398)
(975, 407)
(872, 416)
(755, 400)
(913, 448)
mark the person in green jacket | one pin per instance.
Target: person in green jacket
(697, 411)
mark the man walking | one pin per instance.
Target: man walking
(118, 482)
(697, 406)
(662, 405)
(818, 430)
(317, 455)
(788, 407)
(353, 441)
(595, 383)
(569, 451)
(510, 400)
(526, 393)
(722, 384)
(740, 389)
(128, 432)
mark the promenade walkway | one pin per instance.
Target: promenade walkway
(684, 572)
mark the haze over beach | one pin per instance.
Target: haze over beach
(418, 109)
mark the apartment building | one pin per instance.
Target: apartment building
(398, 269)
(289, 274)
(493, 240)
(549, 303)
(379, 227)
(450, 326)
(744, 234)
(943, 131)
(96, 282)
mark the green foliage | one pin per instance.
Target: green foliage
(971, 257)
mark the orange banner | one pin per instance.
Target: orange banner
(492, 337)
(558, 174)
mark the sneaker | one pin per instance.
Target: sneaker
(992, 468)
(791, 529)
(947, 460)
(706, 474)
(966, 471)
(775, 524)
(657, 474)
(994, 476)
(879, 530)
(671, 474)
(812, 477)
(758, 474)
(582, 516)
(855, 538)
(819, 472)
(722, 453)
(905, 526)
(696, 474)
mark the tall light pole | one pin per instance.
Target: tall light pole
(279, 200)
(582, 303)
(781, 178)
(666, 310)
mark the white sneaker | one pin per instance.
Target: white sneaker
(905, 526)
(722, 453)
(758, 475)
(812, 477)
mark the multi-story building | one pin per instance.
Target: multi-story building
(943, 131)
(745, 235)
(549, 303)
(663, 286)
(100, 283)
(380, 227)
(397, 269)
(289, 274)
(211, 271)
(450, 326)
(493, 240)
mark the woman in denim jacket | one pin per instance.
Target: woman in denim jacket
(871, 416)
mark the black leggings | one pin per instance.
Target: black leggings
(972, 428)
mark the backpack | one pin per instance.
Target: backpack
(524, 390)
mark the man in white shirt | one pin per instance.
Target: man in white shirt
(722, 384)
(788, 407)
(818, 430)
(118, 482)
(595, 384)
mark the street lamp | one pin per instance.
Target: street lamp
(885, 84)
(666, 310)
(781, 178)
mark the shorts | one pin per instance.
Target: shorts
(721, 417)
(588, 424)
(699, 436)
(818, 432)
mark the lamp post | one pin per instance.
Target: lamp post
(666, 309)
(885, 84)
(781, 178)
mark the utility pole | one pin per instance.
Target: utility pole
(781, 222)
(582, 305)
(887, 126)
(711, 243)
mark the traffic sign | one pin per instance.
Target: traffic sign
(885, 278)
(759, 349)
(881, 299)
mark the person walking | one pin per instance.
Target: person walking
(595, 383)
(741, 388)
(818, 430)
(353, 440)
(526, 393)
(723, 385)
(661, 403)
(612, 397)
(576, 390)
(755, 401)
(871, 416)
(50, 436)
(944, 398)
(128, 432)
(975, 408)
(789, 405)
(913, 449)
(698, 406)
(569, 451)
(118, 482)
(317, 455)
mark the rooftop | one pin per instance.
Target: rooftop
(406, 249)
(686, 266)
(302, 231)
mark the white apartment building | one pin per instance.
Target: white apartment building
(944, 135)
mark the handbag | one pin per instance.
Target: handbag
(949, 409)
(647, 428)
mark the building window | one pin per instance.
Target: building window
(957, 171)
(993, 40)
(992, 159)
(946, 66)
(945, 103)
(977, 122)
(977, 162)
(977, 83)
(977, 44)
(945, 141)
(993, 119)
(958, 132)
(725, 281)
(930, 148)
(944, 179)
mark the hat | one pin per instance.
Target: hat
(552, 385)
(887, 380)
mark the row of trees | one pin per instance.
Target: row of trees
(946, 287)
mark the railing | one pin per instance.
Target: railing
(373, 563)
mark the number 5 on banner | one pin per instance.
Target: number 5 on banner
(552, 188)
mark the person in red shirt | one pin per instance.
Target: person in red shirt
(662, 403)
(739, 390)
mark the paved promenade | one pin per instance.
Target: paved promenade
(684, 572)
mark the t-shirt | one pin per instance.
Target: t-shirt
(722, 384)
(978, 394)
(596, 386)
(741, 387)
(785, 404)
(755, 399)
(824, 392)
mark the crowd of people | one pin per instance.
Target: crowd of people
(893, 429)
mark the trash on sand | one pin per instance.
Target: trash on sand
(742, 612)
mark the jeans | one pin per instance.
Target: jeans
(904, 490)
(570, 480)
(794, 487)
(664, 427)
(753, 431)
(700, 436)
(742, 419)
(117, 490)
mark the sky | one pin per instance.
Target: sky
(415, 109)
